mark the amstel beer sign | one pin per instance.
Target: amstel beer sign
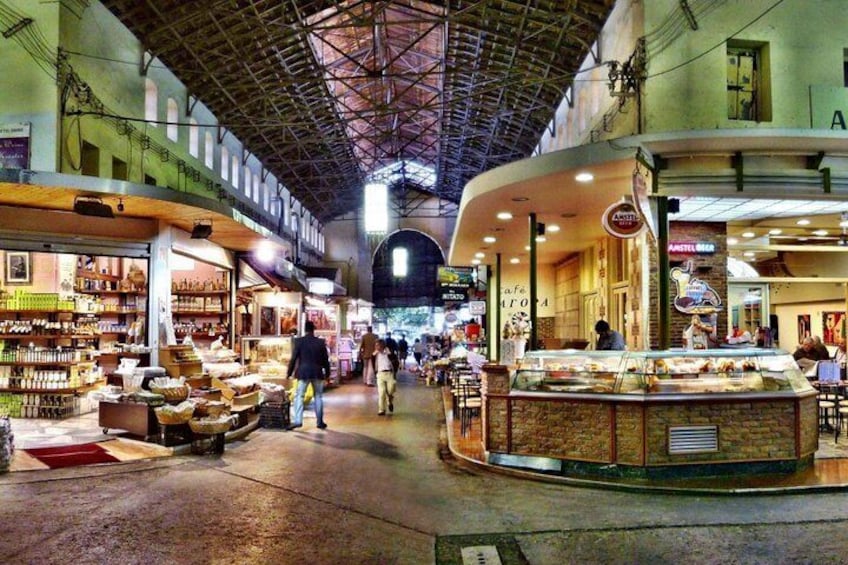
(622, 220)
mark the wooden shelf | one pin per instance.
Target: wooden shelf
(72, 390)
(91, 275)
(199, 292)
(38, 336)
(200, 312)
(113, 292)
(22, 311)
(39, 363)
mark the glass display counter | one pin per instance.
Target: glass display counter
(660, 372)
(267, 356)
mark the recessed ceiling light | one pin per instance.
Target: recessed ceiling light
(748, 234)
(520, 199)
(749, 254)
(732, 241)
(490, 239)
(504, 215)
(479, 254)
(515, 260)
(803, 222)
(820, 233)
(526, 248)
(475, 261)
(775, 231)
(584, 177)
(541, 239)
(553, 228)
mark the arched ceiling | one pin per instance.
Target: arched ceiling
(326, 93)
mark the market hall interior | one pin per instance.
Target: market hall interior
(379, 490)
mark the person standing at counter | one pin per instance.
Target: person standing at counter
(608, 338)
(807, 355)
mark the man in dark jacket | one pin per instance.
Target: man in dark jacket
(310, 363)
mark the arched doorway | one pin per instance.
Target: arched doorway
(418, 287)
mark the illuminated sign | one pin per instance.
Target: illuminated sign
(692, 247)
(622, 220)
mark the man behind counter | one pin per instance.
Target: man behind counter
(608, 338)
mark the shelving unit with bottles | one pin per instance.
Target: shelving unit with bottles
(201, 308)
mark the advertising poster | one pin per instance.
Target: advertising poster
(14, 146)
(454, 283)
(833, 327)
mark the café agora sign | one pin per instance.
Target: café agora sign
(622, 220)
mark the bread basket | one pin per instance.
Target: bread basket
(172, 415)
(211, 426)
(172, 393)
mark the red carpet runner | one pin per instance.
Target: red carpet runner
(71, 455)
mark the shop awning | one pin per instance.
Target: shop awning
(283, 274)
(325, 281)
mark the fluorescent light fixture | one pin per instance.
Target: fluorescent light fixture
(265, 251)
(553, 228)
(376, 208)
(748, 234)
(504, 215)
(803, 222)
(490, 239)
(202, 229)
(515, 260)
(400, 261)
(584, 177)
(92, 206)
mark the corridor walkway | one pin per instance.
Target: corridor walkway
(376, 490)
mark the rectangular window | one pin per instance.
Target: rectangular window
(748, 81)
(119, 169)
(225, 163)
(209, 151)
(90, 159)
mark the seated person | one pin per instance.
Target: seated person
(821, 348)
(737, 336)
(807, 354)
(841, 357)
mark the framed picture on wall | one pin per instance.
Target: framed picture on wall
(804, 327)
(267, 323)
(833, 331)
(18, 267)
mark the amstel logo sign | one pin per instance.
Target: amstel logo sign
(622, 220)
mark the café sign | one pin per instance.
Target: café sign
(622, 220)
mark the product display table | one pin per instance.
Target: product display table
(136, 418)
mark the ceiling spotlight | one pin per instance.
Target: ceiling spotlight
(504, 215)
(749, 254)
(92, 206)
(515, 260)
(479, 255)
(748, 234)
(553, 228)
(120, 205)
(202, 229)
(820, 233)
(541, 239)
(475, 261)
(803, 222)
(490, 239)
(732, 241)
(584, 177)
(775, 231)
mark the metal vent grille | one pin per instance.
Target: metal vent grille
(692, 439)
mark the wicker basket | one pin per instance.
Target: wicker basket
(172, 415)
(171, 393)
(209, 427)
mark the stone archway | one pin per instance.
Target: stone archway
(418, 288)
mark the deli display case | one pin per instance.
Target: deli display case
(641, 414)
(711, 371)
(267, 356)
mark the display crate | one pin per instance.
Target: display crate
(274, 414)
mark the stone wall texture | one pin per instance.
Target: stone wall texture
(809, 412)
(628, 433)
(563, 430)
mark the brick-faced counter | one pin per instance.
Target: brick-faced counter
(632, 435)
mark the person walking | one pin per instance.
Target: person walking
(366, 353)
(310, 364)
(403, 350)
(386, 383)
(418, 351)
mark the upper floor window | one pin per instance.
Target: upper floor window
(266, 196)
(209, 150)
(748, 80)
(172, 131)
(235, 176)
(151, 102)
(193, 138)
(247, 182)
(225, 163)
(256, 188)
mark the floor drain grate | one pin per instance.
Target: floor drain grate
(480, 555)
